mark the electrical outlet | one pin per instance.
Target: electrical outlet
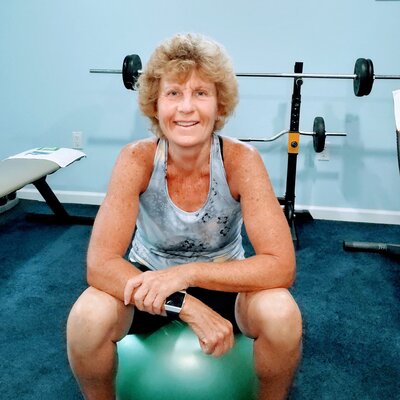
(77, 140)
(324, 155)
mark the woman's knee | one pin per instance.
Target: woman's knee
(97, 316)
(272, 314)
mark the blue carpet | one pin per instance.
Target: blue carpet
(350, 305)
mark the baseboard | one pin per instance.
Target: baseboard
(326, 213)
(353, 214)
(71, 197)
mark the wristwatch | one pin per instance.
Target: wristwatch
(173, 304)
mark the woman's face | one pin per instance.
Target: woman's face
(187, 110)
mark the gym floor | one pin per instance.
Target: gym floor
(350, 305)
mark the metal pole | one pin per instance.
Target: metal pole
(268, 74)
(296, 75)
(105, 71)
(293, 147)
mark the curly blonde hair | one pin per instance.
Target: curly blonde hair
(178, 57)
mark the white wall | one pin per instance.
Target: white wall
(47, 48)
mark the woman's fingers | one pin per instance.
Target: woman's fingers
(219, 344)
(145, 298)
(130, 286)
(149, 290)
(215, 333)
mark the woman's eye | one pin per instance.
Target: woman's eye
(201, 93)
(172, 93)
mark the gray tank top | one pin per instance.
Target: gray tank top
(166, 235)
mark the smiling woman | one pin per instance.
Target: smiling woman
(187, 111)
(177, 59)
(183, 197)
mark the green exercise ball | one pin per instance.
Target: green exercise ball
(169, 365)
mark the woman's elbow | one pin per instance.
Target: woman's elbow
(291, 272)
(288, 265)
(92, 268)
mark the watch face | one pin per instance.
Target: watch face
(176, 299)
(174, 302)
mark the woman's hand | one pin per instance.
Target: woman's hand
(215, 333)
(148, 290)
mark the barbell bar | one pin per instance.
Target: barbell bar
(284, 132)
(268, 74)
(253, 74)
(107, 71)
(363, 76)
(319, 135)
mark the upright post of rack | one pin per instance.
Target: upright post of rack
(293, 149)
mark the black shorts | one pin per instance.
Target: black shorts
(221, 302)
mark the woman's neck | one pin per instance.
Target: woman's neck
(188, 160)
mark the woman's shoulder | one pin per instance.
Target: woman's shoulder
(241, 160)
(141, 146)
(139, 152)
(135, 162)
(236, 151)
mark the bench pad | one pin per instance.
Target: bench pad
(15, 173)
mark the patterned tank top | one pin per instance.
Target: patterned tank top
(167, 235)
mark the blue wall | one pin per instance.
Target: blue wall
(47, 48)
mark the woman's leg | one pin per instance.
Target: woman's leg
(273, 319)
(96, 322)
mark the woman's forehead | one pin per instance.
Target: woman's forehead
(193, 77)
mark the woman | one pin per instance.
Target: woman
(187, 192)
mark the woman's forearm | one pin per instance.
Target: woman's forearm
(251, 274)
(110, 276)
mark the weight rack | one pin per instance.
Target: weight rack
(363, 79)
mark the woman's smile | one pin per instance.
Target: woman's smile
(186, 124)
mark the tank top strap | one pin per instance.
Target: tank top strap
(157, 179)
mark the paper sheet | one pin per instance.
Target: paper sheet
(396, 98)
(60, 155)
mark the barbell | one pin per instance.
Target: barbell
(318, 133)
(363, 76)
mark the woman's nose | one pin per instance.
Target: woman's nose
(186, 104)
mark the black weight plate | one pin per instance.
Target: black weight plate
(369, 79)
(319, 134)
(130, 70)
(364, 80)
(360, 70)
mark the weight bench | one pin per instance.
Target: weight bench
(33, 167)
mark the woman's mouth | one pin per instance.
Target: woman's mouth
(186, 124)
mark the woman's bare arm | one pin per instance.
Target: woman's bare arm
(115, 222)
